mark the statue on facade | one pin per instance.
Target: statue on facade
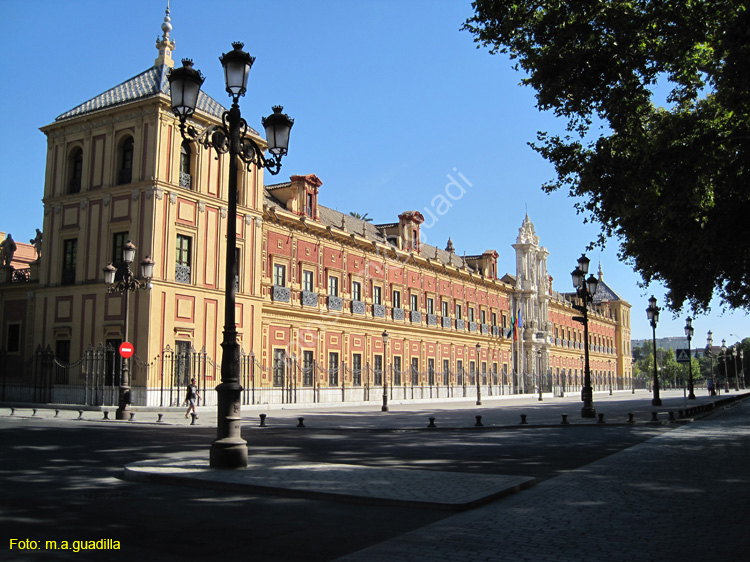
(37, 243)
(7, 249)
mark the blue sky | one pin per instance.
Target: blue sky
(391, 101)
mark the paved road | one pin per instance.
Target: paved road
(59, 480)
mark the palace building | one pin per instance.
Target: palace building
(329, 307)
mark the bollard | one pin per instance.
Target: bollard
(601, 418)
(132, 416)
(432, 423)
(479, 421)
(301, 422)
(80, 414)
(106, 414)
(263, 420)
(523, 420)
(57, 413)
(12, 411)
(564, 420)
(158, 419)
(32, 415)
(671, 416)
(654, 416)
(194, 416)
(631, 418)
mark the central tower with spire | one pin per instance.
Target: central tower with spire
(165, 44)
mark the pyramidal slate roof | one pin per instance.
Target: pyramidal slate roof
(152, 82)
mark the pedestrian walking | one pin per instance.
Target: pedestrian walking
(190, 397)
(711, 390)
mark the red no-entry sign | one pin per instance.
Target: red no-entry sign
(126, 349)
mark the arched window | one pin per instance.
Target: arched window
(185, 177)
(75, 170)
(125, 171)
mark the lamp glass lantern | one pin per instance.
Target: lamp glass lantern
(591, 284)
(237, 65)
(147, 268)
(128, 252)
(109, 274)
(583, 263)
(385, 337)
(577, 275)
(278, 125)
(184, 86)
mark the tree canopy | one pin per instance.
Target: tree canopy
(669, 182)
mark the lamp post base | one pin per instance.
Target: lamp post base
(588, 412)
(656, 402)
(229, 453)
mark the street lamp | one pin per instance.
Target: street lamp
(689, 331)
(586, 288)
(742, 366)
(710, 353)
(723, 359)
(652, 312)
(384, 408)
(479, 386)
(233, 137)
(126, 283)
(540, 372)
(736, 370)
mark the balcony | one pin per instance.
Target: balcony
(447, 322)
(485, 328)
(182, 273)
(358, 307)
(335, 303)
(460, 324)
(415, 317)
(472, 326)
(280, 294)
(432, 320)
(397, 313)
(186, 181)
(378, 310)
(309, 298)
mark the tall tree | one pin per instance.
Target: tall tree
(671, 183)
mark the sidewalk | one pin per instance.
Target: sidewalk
(680, 496)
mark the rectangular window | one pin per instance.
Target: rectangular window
(307, 368)
(183, 259)
(333, 369)
(378, 360)
(279, 367)
(309, 206)
(357, 369)
(70, 259)
(446, 371)
(414, 302)
(237, 270)
(307, 280)
(333, 285)
(414, 371)
(484, 372)
(471, 314)
(62, 351)
(431, 372)
(458, 312)
(430, 306)
(279, 275)
(13, 338)
(459, 372)
(445, 308)
(397, 371)
(119, 240)
(396, 299)
(377, 295)
(483, 316)
(356, 291)
(472, 372)
(494, 318)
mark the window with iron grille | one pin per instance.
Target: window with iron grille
(446, 371)
(185, 158)
(357, 369)
(396, 371)
(333, 369)
(307, 368)
(70, 259)
(459, 372)
(279, 275)
(414, 371)
(183, 259)
(279, 367)
(307, 280)
(356, 291)
(378, 360)
(333, 286)
(396, 299)
(377, 295)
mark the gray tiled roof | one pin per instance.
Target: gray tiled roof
(605, 293)
(352, 225)
(149, 83)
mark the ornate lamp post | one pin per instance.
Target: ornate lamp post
(479, 386)
(710, 353)
(742, 366)
(723, 359)
(125, 284)
(652, 312)
(384, 408)
(231, 137)
(540, 374)
(586, 288)
(689, 331)
(735, 356)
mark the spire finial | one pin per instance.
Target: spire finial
(165, 44)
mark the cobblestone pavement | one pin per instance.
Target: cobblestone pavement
(680, 496)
